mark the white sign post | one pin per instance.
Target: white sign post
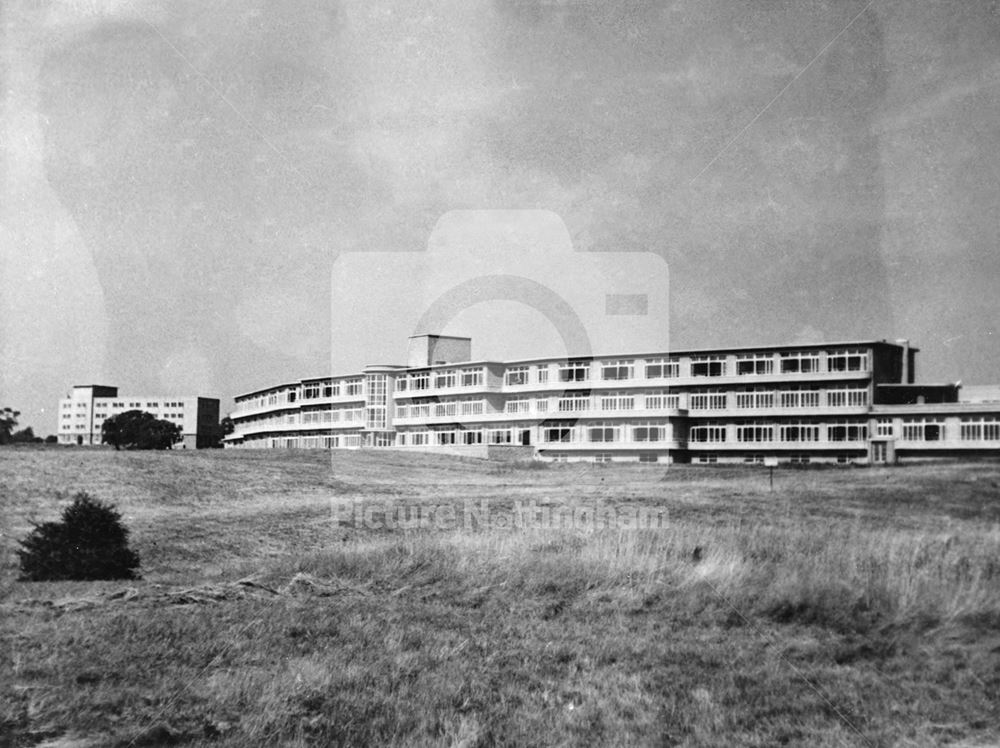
(771, 463)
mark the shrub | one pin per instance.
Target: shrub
(89, 543)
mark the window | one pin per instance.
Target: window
(557, 434)
(799, 399)
(708, 366)
(848, 360)
(602, 432)
(328, 390)
(649, 432)
(986, 428)
(602, 457)
(577, 402)
(420, 381)
(661, 368)
(707, 432)
(617, 401)
(445, 379)
(472, 407)
(445, 409)
(517, 406)
(798, 432)
(310, 391)
(649, 457)
(754, 432)
(884, 427)
(923, 429)
(471, 377)
(707, 401)
(755, 399)
(755, 363)
(445, 437)
(799, 362)
(472, 437)
(846, 431)
(516, 375)
(354, 387)
(574, 371)
(420, 410)
(616, 370)
(401, 384)
(661, 401)
(844, 398)
(543, 374)
(500, 436)
(707, 459)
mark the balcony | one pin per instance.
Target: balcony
(264, 427)
(774, 445)
(472, 389)
(615, 446)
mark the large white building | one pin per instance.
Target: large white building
(83, 411)
(830, 402)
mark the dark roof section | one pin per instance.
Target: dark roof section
(590, 357)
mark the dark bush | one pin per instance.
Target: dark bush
(136, 429)
(89, 543)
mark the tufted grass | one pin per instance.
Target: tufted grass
(846, 607)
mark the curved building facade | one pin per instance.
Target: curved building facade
(831, 402)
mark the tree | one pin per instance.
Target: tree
(215, 434)
(51, 439)
(136, 429)
(89, 543)
(23, 436)
(8, 422)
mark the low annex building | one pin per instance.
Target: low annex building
(829, 402)
(83, 411)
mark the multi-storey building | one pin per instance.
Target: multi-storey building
(82, 414)
(833, 402)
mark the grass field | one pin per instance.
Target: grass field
(845, 607)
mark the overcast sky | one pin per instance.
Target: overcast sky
(179, 178)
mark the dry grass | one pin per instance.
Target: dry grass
(846, 607)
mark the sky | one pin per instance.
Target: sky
(180, 181)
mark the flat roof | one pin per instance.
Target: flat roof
(908, 385)
(590, 356)
(676, 352)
